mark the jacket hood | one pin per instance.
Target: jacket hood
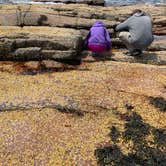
(139, 14)
(98, 24)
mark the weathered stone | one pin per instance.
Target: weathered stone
(157, 58)
(32, 65)
(29, 53)
(158, 45)
(35, 43)
(89, 2)
(51, 64)
(51, 54)
(59, 43)
(78, 105)
(77, 16)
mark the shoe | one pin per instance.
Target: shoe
(128, 53)
(136, 52)
(95, 54)
(133, 53)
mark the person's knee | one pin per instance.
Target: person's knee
(120, 35)
(124, 36)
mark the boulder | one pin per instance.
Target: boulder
(27, 53)
(35, 43)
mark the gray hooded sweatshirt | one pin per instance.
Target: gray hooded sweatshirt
(140, 27)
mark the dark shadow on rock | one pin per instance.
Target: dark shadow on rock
(42, 19)
(89, 57)
(110, 155)
(135, 129)
(44, 71)
(144, 153)
(100, 57)
(129, 107)
(158, 102)
(69, 110)
(151, 58)
(146, 58)
(159, 137)
(114, 134)
(70, 61)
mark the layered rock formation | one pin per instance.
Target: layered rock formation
(34, 43)
(77, 16)
(76, 19)
(117, 107)
(89, 2)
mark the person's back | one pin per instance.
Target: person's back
(98, 38)
(139, 26)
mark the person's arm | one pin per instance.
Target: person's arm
(123, 26)
(108, 39)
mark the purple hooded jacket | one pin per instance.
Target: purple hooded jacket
(98, 35)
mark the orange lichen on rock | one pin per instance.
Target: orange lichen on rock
(109, 107)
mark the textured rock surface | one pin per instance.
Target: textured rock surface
(104, 68)
(35, 43)
(89, 2)
(158, 44)
(77, 16)
(108, 102)
(46, 116)
(158, 58)
(155, 57)
(42, 43)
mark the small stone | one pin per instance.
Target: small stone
(51, 64)
(32, 64)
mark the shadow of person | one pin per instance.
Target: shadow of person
(151, 57)
(89, 57)
(143, 151)
(158, 102)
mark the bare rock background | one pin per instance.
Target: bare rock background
(21, 44)
(100, 112)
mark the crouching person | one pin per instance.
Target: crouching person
(98, 40)
(136, 32)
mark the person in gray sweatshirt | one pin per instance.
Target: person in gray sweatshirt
(136, 32)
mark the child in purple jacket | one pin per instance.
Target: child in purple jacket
(98, 39)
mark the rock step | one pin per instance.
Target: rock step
(43, 43)
(42, 66)
(154, 58)
(77, 16)
(35, 43)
